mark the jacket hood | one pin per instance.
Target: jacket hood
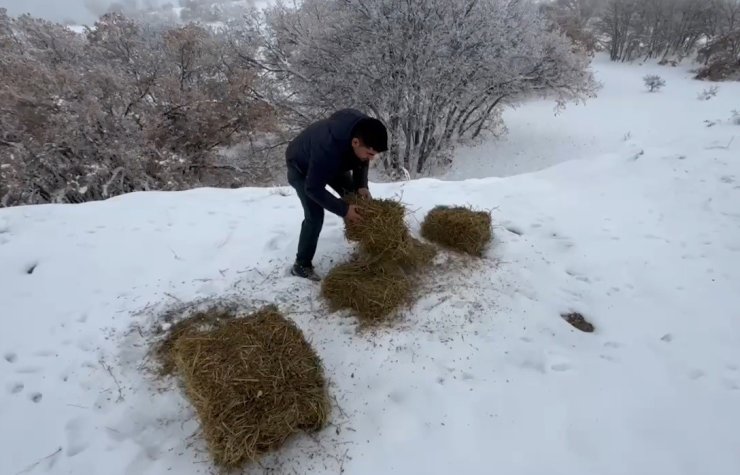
(342, 122)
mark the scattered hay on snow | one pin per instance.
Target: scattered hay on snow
(458, 228)
(254, 381)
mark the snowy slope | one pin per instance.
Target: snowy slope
(480, 376)
(622, 117)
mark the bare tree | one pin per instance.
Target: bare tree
(127, 107)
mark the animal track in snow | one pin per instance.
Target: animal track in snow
(15, 388)
(10, 357)
(36, 397)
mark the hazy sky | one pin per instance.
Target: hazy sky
(61, 10)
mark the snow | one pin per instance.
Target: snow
(79, 29)
(540, 136)
(481, 374)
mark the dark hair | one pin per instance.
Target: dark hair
(372, 133)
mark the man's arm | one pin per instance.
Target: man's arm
(359, 176)
(316, 180)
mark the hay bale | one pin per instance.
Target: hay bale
(254, 382)
(201, 321)
(373, 289)
(382, 229)
(458, 228)
(378, 280)
(383, 235)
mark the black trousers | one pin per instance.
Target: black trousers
(313, 213)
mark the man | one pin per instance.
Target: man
(334, 152)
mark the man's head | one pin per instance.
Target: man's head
(369, 138)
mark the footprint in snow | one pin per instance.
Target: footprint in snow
(77, 436)
(29, 369)
(560, 367)
(36, 397)
(515, 230)
(10, 357)
(396, 396)
(695, 374)
(275, 242)
(15, 388)
(578, 276)
(467, 376)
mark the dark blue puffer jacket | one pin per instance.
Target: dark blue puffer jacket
(322, 151)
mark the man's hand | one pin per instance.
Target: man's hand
(353, 215)
(364, 194)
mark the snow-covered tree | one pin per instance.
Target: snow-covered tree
(435, 71)
(213, 10)
(577, 18)
(721, 54)
(654, 82)
(663, 29)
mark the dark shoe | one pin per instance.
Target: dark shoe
(305, 272)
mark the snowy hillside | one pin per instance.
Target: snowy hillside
(482, 375)
(623, 118)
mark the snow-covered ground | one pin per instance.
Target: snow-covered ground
(481, 375)
(622, 118)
